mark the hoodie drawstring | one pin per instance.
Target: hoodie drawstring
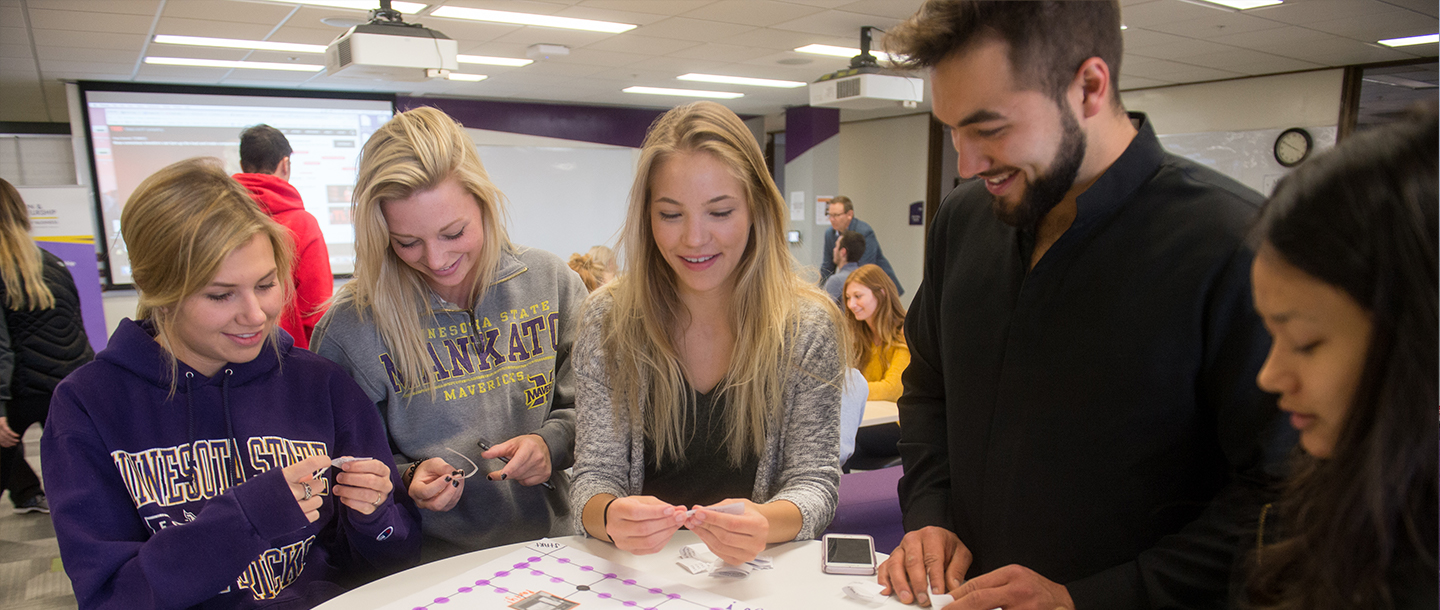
(189, 476)
(229, 422)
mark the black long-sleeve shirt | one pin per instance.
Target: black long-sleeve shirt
(1095, 418)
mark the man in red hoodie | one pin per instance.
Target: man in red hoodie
(265, 161)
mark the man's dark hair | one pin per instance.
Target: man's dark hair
(1048, 40)
(844, 201)
(262, 147)
(853, 243)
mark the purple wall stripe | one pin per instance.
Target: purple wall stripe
(597, 124)
(806, 127)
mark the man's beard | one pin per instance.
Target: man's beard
(1049, 188)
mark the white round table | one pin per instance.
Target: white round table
(795, 582)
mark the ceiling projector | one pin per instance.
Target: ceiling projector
(389, 49)
(865, 85)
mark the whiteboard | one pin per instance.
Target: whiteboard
(563, 196)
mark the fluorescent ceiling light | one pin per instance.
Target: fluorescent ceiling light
(723, 95)
(741, 80)
(549, 21)
(474, 78)
(235, 43)
(493, 61)
(409, 8)
(225, 63)
(833, 51)
(1241, 5)
(1411, 40)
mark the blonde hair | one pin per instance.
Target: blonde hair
(21, 266)
(889, 315)
(605, 257)
(591, 271)
(179, 226)
(414, 152)
(638, 333)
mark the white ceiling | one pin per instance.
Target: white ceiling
(46, 42)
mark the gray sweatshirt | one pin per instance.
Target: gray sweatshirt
(800, 462)
(503, 370)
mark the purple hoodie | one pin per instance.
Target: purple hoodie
(153, 508)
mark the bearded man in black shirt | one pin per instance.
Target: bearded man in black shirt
(1080, 425)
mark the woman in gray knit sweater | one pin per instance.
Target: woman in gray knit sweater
(710, 373)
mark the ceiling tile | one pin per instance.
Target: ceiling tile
(593, 57)
(654, 7)
(1129, 83)
(23, 102)
(217, 29)
(1310, 11)
(648, 45)
(676, 66)
(18, 65)
(1248, 62)
(1162, 11)
(1344, 52)
(1424, 7)
(225, 10)
(1288, 38)
(1140, 38)
(84, 54)
(132, 7)
(822, 3)
(56, 65)
(835, 23)
(893, 9)
(95, 40)
(529, 35)
(295, 34)
(471, 30)
(1213, 24)
(89, 22)
(752, 12)
(771, 38)
(632, 18)
(1377, 26)
(16, 51)
(1182, 48)
(13, 15)
(722, 52)
(692, 29)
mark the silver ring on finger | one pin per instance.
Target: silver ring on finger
(309, 493)
(378, 501)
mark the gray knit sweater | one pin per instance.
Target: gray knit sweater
(800, 462)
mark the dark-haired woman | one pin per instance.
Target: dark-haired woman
(1345, 279)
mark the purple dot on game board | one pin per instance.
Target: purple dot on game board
(501, 590)
(563, 560)
(482, 582)
(532, 559)
(656, 590)
(586, 569)
(442, 600)
(673, 596)
(604, 596)
(609, 576)
(630, 604)
(536, 573)
(465, 589)
(556, 579)
(502, 573)
(628, 581)
(522, 565)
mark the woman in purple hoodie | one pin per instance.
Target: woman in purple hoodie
(190, 464)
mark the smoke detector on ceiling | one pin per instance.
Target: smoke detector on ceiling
(541, 50)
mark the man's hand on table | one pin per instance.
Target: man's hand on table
(1012, 587)
(931, 555)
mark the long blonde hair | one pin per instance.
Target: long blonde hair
(414, 152)
(638, 334)
(21, 266)
(179, 225)
(889, 315)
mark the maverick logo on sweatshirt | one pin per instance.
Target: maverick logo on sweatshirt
(466, 360)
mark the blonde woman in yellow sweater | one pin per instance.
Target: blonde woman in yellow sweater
(877, 330)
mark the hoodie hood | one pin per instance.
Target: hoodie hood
(274, 195)
(133, 348)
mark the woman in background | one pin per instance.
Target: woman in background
(877, 330)
(190, 463)
(44, 340)
(1345, 280)
(591, 272)
(461, 338)
(709, 350)
(605, 257)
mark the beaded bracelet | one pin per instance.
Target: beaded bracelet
(409, 475)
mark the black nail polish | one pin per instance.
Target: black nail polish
(504, 476)
(455, 483)
(447, 478)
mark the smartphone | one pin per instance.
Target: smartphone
(848, 554)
